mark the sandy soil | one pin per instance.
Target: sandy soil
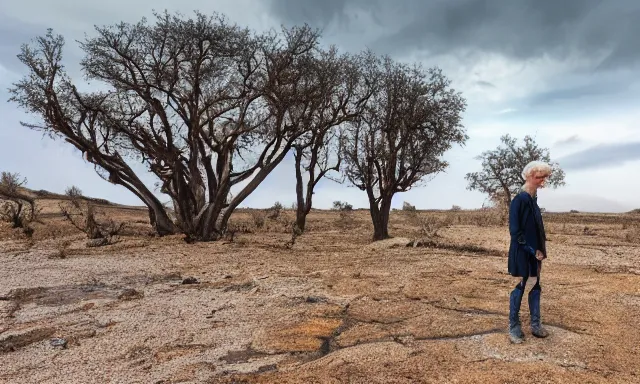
(332, 308)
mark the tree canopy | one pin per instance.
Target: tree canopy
(412, 118)
(204, 104)
(501, 174)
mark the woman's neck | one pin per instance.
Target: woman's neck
(530, 189)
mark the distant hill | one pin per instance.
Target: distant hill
(47, 195)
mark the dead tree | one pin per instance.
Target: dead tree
(18, 208)
(411, 120)
(81, 213)
(317, 152)
(205, 104)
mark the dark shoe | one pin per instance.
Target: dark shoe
(515, 330)
(534, 308)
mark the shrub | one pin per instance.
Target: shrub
(345, 220)
(275, 210)
(73, 192)
(82, 215)
(258, 217)
(342, 206)
(408, 207)
(17, 208)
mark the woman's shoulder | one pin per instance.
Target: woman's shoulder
(521, 196)
(520, 199)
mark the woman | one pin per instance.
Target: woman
(527, 249)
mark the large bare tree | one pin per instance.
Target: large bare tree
(204, 104)
(501, 174)
(411, 120)
(318, 151)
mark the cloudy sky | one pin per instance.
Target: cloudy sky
(565, 72)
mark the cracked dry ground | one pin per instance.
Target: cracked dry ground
(334, 308)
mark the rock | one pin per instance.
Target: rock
(97, 242)
(130, 294)
(13, 341)
(267, 368)
(190, 280)
(58, 342)
(316, 299)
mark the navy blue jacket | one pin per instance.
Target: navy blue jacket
(527, 235)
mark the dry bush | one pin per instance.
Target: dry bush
(406, 206)
(495, 213)
(16, 207)
(274, 219)
(234, 227)
(345, 220)
(82, 215)
(428, 225)
(342, 206)
(62, 251)
(633, 234)
(456, 208)
(493, 216)
(284, 223)
(273, 213)
(259, 218)
(19, 213)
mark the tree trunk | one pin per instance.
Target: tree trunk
(301, 220)
(380, 216)
(158, 217)
(301, 209)
(162, 223)
(222, 215)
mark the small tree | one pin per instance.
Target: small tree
(411, 120)
(501, 174)
(317, 152)
(17, 208)
(73, 192)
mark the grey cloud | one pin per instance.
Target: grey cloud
(521, 29)
(574, 139)
(316, 13)
(592, 90)
(601, 156)
(485, 84)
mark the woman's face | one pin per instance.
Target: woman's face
(537, 179)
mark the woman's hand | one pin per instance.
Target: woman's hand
(540, 255)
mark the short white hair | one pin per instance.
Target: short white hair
(536, 166)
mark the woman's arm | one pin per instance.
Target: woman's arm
(515, 229)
